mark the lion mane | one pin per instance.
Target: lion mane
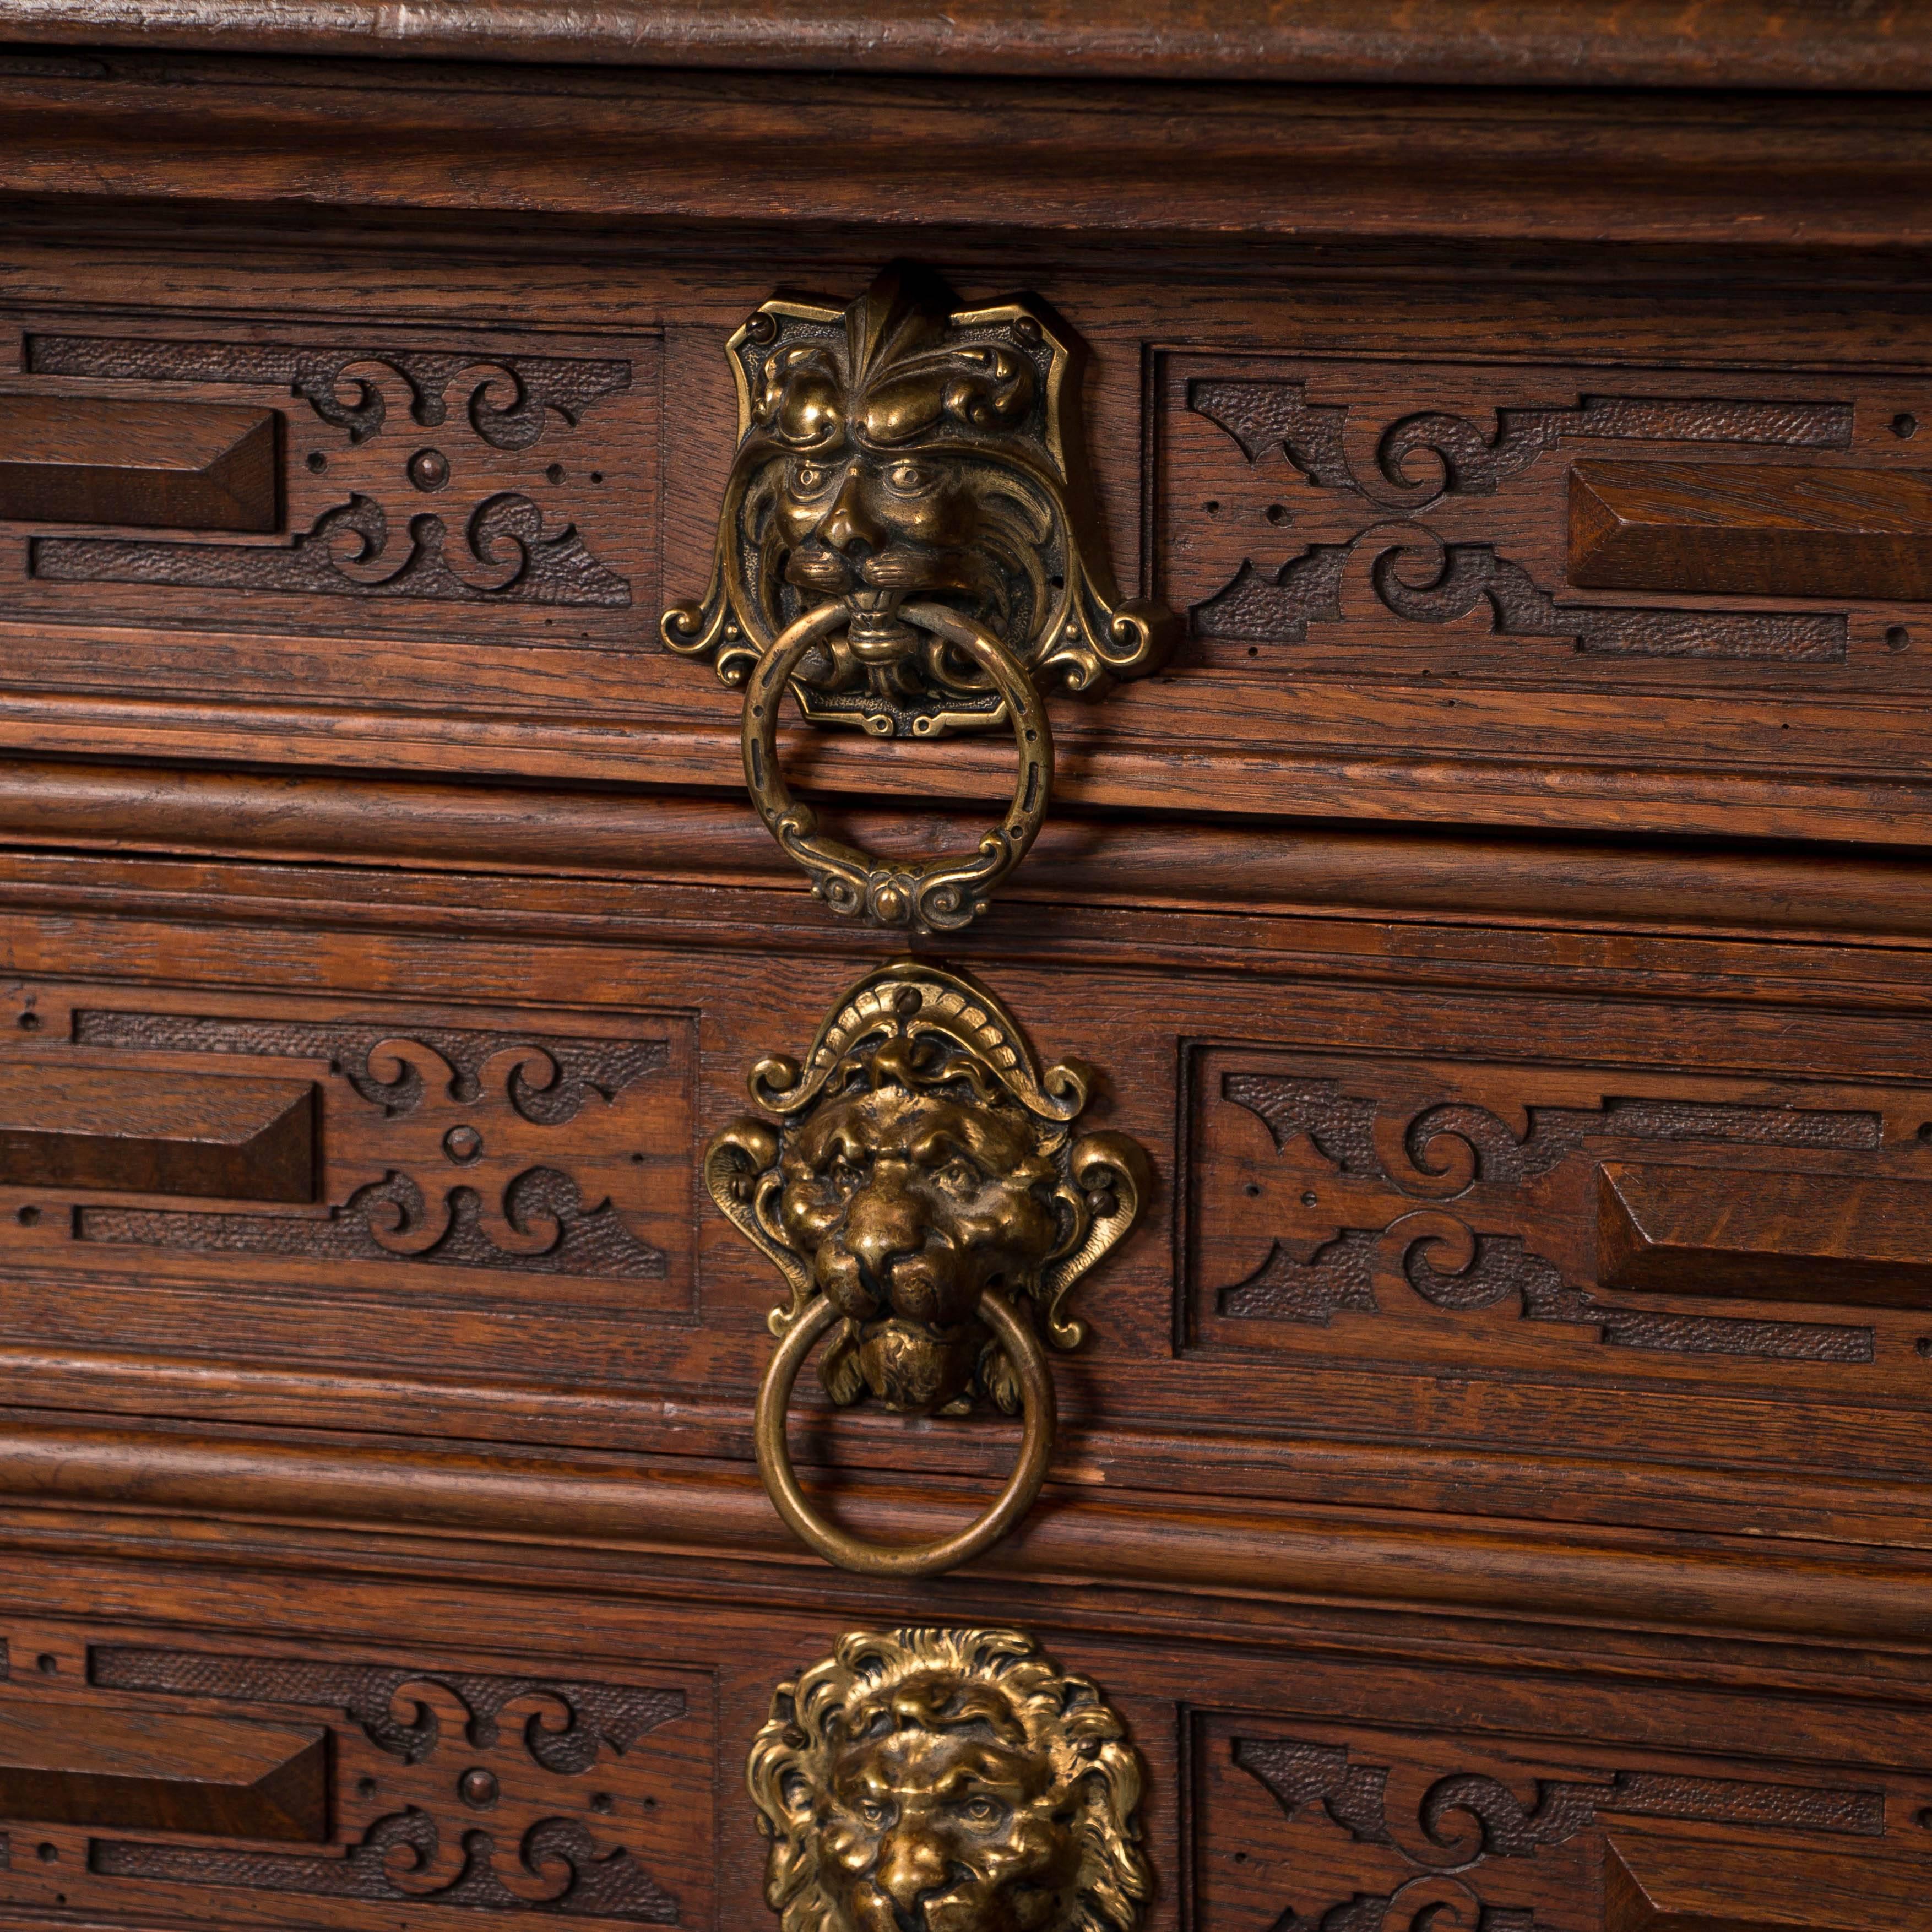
(940, 1680)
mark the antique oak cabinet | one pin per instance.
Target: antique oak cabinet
(965, 970)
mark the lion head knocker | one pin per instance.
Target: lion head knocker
(947, 1780)
(924, 1194)
(905, 449)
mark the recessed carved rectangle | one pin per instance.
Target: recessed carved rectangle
(157, 1133)
(66, 459)
(1752, 529)
(1345, 518)
(494, 486)
(157, 1771)
(1311, 1824)
(1502, 1212)
(438, 1786)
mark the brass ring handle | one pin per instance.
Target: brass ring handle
(940, 894)
(917, 1559)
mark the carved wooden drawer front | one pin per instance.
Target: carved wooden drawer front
(436, 1785)
(1316, 1820)
(269, 1169)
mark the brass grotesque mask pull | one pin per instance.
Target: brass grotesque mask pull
(923, 1192)
(906, 544)
(947, 1780)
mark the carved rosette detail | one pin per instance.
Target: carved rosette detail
(919, 1155)
(912, 1760)
(904, 449)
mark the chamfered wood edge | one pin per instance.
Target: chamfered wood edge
(1389, 1559)
(1803, 43)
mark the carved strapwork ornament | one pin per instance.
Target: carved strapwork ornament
(924, 1193)
(952, 1777)
(905, 450)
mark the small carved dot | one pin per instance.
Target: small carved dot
(1897, 637)
(1904, 424)
(30, 1022)
(596, 475)
(1254, 650)
(463, 1143)
(28, 1217)
(600, 1801)
(317, 462)
(637, 1160)
(47, 1664)
(555, 473)
(478, 1788)
(1308, 1200)
(1253, 1190)
(365, 1787)
(48, 1854)
(1925, 1818)
(1212, 508)
(1241, 1857)
(429, 469)
(1924, 1346)
(1276, 512)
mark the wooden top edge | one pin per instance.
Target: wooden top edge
(1813, 45)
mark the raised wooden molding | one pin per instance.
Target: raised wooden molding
(214, 1136)
(1689, 1885)
(1753, 529)
(1393, 1559)
(1543, 42)
(1677, 1229)
(155, 1771)
(154, 465)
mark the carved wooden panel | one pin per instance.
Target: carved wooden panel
(495, 486)
(1516, 1214)
(494, 1164)
(457, 1785)
(1325, 517)
(1313, 1825)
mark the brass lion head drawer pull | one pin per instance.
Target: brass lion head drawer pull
(906, 544)
(947, 1780)
(924, 1193)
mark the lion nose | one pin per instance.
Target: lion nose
(849, 527)
(910, 1865)
(875, 1248)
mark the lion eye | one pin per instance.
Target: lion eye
(983, 1811)
(808, 478)
(843, 1175)
(958, 1176)
(873, 1813)
(909, 478)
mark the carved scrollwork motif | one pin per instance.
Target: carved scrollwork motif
(502, 536)
(1471, 1848)
(924, 1779)
(1381, 1197)
(904, 449)
(507, 1851)
(1398, 528)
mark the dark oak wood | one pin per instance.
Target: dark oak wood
(1808, 1237)
(88, 460)
(1493, 1485)
(155, 1133)
(145, 1771)
(1757, 530)
(1804, 43)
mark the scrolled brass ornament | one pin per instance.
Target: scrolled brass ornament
(907, 544)
(947, 1780)
(924, 1194)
